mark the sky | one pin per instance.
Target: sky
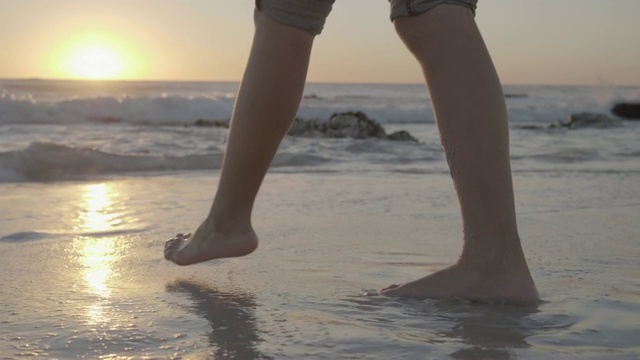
(531, 41)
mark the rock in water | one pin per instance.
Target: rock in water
(627, 110)
(590, 120)
(401, 136)
(211, 123)
(354, 125)
(511, 96)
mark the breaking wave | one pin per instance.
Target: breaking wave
(50, 162)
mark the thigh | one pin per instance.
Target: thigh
(309, 15)
(415, 7)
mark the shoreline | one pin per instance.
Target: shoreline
(94, 282)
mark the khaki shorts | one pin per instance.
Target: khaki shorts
(310, 15)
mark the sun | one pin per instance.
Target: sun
(95, 62)
(94, 54)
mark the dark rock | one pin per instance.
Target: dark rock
(591, 120)
(307, 128)
(558, 124)
(510, 96)
(586, 120)
(531, 127)
(211, 123)
(354, 125)
(401, 136)
(627, 110)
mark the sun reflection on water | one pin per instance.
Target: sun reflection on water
(98, 254)
(97, 257)
(97, 203)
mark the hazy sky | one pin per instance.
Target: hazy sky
(532, 41)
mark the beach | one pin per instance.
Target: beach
(88, 204)
(104, 290)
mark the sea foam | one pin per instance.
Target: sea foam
(165, 103)
(49, 161)
(43, 161)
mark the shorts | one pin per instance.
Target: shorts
(310, 15)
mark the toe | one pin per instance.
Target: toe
(390, 290)
(173, 243)
(168, 254)
(390, 287)
(172, 246)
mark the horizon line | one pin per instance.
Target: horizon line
(308, 82)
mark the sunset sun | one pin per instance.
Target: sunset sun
(96, 55)
(95, 62)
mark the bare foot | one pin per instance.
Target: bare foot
(477, 281)
(207, 244)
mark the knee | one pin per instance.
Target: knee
(440, 23)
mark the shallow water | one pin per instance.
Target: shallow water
(83, 274)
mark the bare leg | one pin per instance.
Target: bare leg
(472, 119)
(266, 105)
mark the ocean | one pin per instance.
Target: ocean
(96, 176)
(56, 130)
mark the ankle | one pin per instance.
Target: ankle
(228, 213)
(227, 224)
(493, 254)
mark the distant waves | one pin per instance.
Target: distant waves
(181, 110)
(51, 162)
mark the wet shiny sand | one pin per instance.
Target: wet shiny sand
(84, 277)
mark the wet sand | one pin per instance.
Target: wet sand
(84, 277)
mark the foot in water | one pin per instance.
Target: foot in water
(207, 244)
(482, 282)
